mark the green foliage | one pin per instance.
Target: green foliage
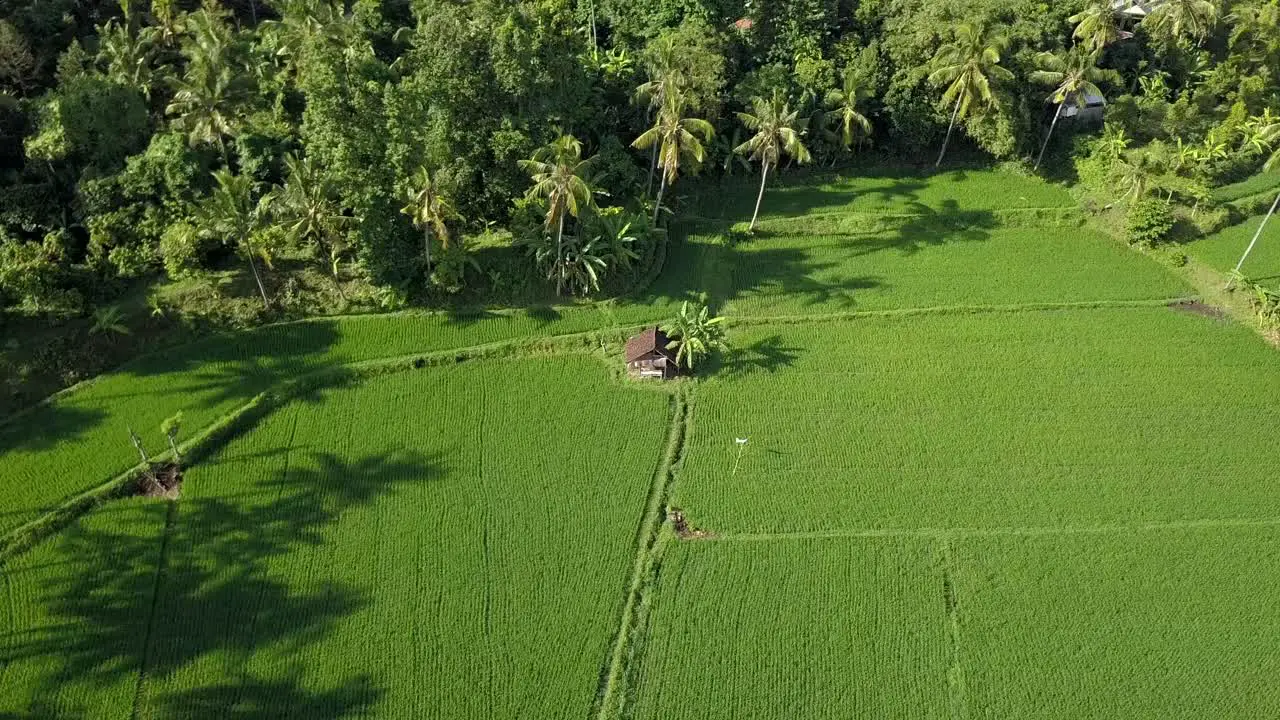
(1222, 249)
(1148, 222)
(90, 122)
(1266, 305)
(694, 334)
(32, 276)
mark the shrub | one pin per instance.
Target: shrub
(1149, 222)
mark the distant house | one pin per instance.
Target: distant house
(1090, 111)
(1131, 12)
(647, 356)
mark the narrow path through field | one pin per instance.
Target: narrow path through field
(611, 697)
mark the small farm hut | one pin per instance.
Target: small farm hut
(647, 355)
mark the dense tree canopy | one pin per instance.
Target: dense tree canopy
(124, 125)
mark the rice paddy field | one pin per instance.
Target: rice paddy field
(1223, 249)
(434, 544)
(989, 472)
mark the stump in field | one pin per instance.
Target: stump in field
(160, 480)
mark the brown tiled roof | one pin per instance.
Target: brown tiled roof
(651, 340)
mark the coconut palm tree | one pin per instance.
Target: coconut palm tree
(1137, 172)
(307, 208)
(230, 214)
(777, 130)
(559, 176)
(678, 139)
(1174, 20)
(202, 107)
(128, 56)
(966, 66)
(694, 333)
(842, 106)
(1096, 26)
(430, 207)
(301, 22)
(1255, 34)
(664, 79)
(1073, 77)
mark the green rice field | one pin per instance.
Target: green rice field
(1223, 250)
(988, 472)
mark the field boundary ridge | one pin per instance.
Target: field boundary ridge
(975, 532)
(612, 694)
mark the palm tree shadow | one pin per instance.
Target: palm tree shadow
(248, 698)
(768, 355)
(112, 616)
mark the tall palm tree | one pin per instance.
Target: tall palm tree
(307, 208)
(678, 139)
(1074, 78)
(232, 215)
(431, 208)
(842, 106)
(664, 80)
(777, 130)
(1174, 20)
(202, 107)
(128, 56)
(1255, 34)
(1096, 26)
(301, 22)
(966, 66)
(559, 176)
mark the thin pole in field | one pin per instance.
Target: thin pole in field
(1252, 242)
(742, 446)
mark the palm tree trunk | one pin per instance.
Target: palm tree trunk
(658, 205)
(595, 42)
(560, 256)
(1254, 241)
(337, 282)
(265, 302)
(653, 165)
(954, 113)
(1048, 137)
(764, 175)
(426, 245)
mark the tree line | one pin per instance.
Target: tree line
(381, 138)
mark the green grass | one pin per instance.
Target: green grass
(1255, 185)
(451, 543)
(1222, 250)
(74, 614)
(968, 511)
(804, 629)
(81, 439)
(1157, 625)
(1060, 418)
(817, 272)
(875, 191)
